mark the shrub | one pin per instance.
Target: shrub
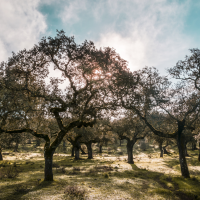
(21, 189)
(106, 175)
(120, 152)
(92, 172)
(55, 165)
(9, 172)
(77, 169)
(75, 191)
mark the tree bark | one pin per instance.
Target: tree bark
(48, 173)
(76, 153)
(89, 148)
(161, 150)
(181, 148)
(1, 157)
(130, 144)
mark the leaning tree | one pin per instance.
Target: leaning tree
(81, 93)
(153, 94)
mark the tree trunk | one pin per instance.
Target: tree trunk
(181, 147)
(186, 153)
(64, 144)
(199, 153)
(161, 150)
(16, 146)
(100, 148)
(29, 141)
(82, 151)
(76, 153)
(194, 147)
(165, 150)
(48, 173)
(37, 143)
(130, 151)
(120, 142)
(1, 157)
(72, 154)
(89, 148)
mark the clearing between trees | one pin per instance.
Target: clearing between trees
(106, 176)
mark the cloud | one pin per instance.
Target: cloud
(22, 25)
(70, 13)
(151, 35)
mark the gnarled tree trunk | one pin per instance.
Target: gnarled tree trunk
(48, 173)
(181, 147)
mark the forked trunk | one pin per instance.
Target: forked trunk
(89, 148)
(181, 147)
(1, 157)
(48, 173)
(161, 150)
(76, 153)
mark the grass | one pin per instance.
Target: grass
(107, 176)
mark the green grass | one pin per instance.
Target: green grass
(101, 177)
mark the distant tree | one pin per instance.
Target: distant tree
(131, 129)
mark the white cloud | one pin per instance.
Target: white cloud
(70, 13)
(21, 26)
(151, 35)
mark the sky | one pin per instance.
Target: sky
(150, 33)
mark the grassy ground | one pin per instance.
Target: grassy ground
(107, 176)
